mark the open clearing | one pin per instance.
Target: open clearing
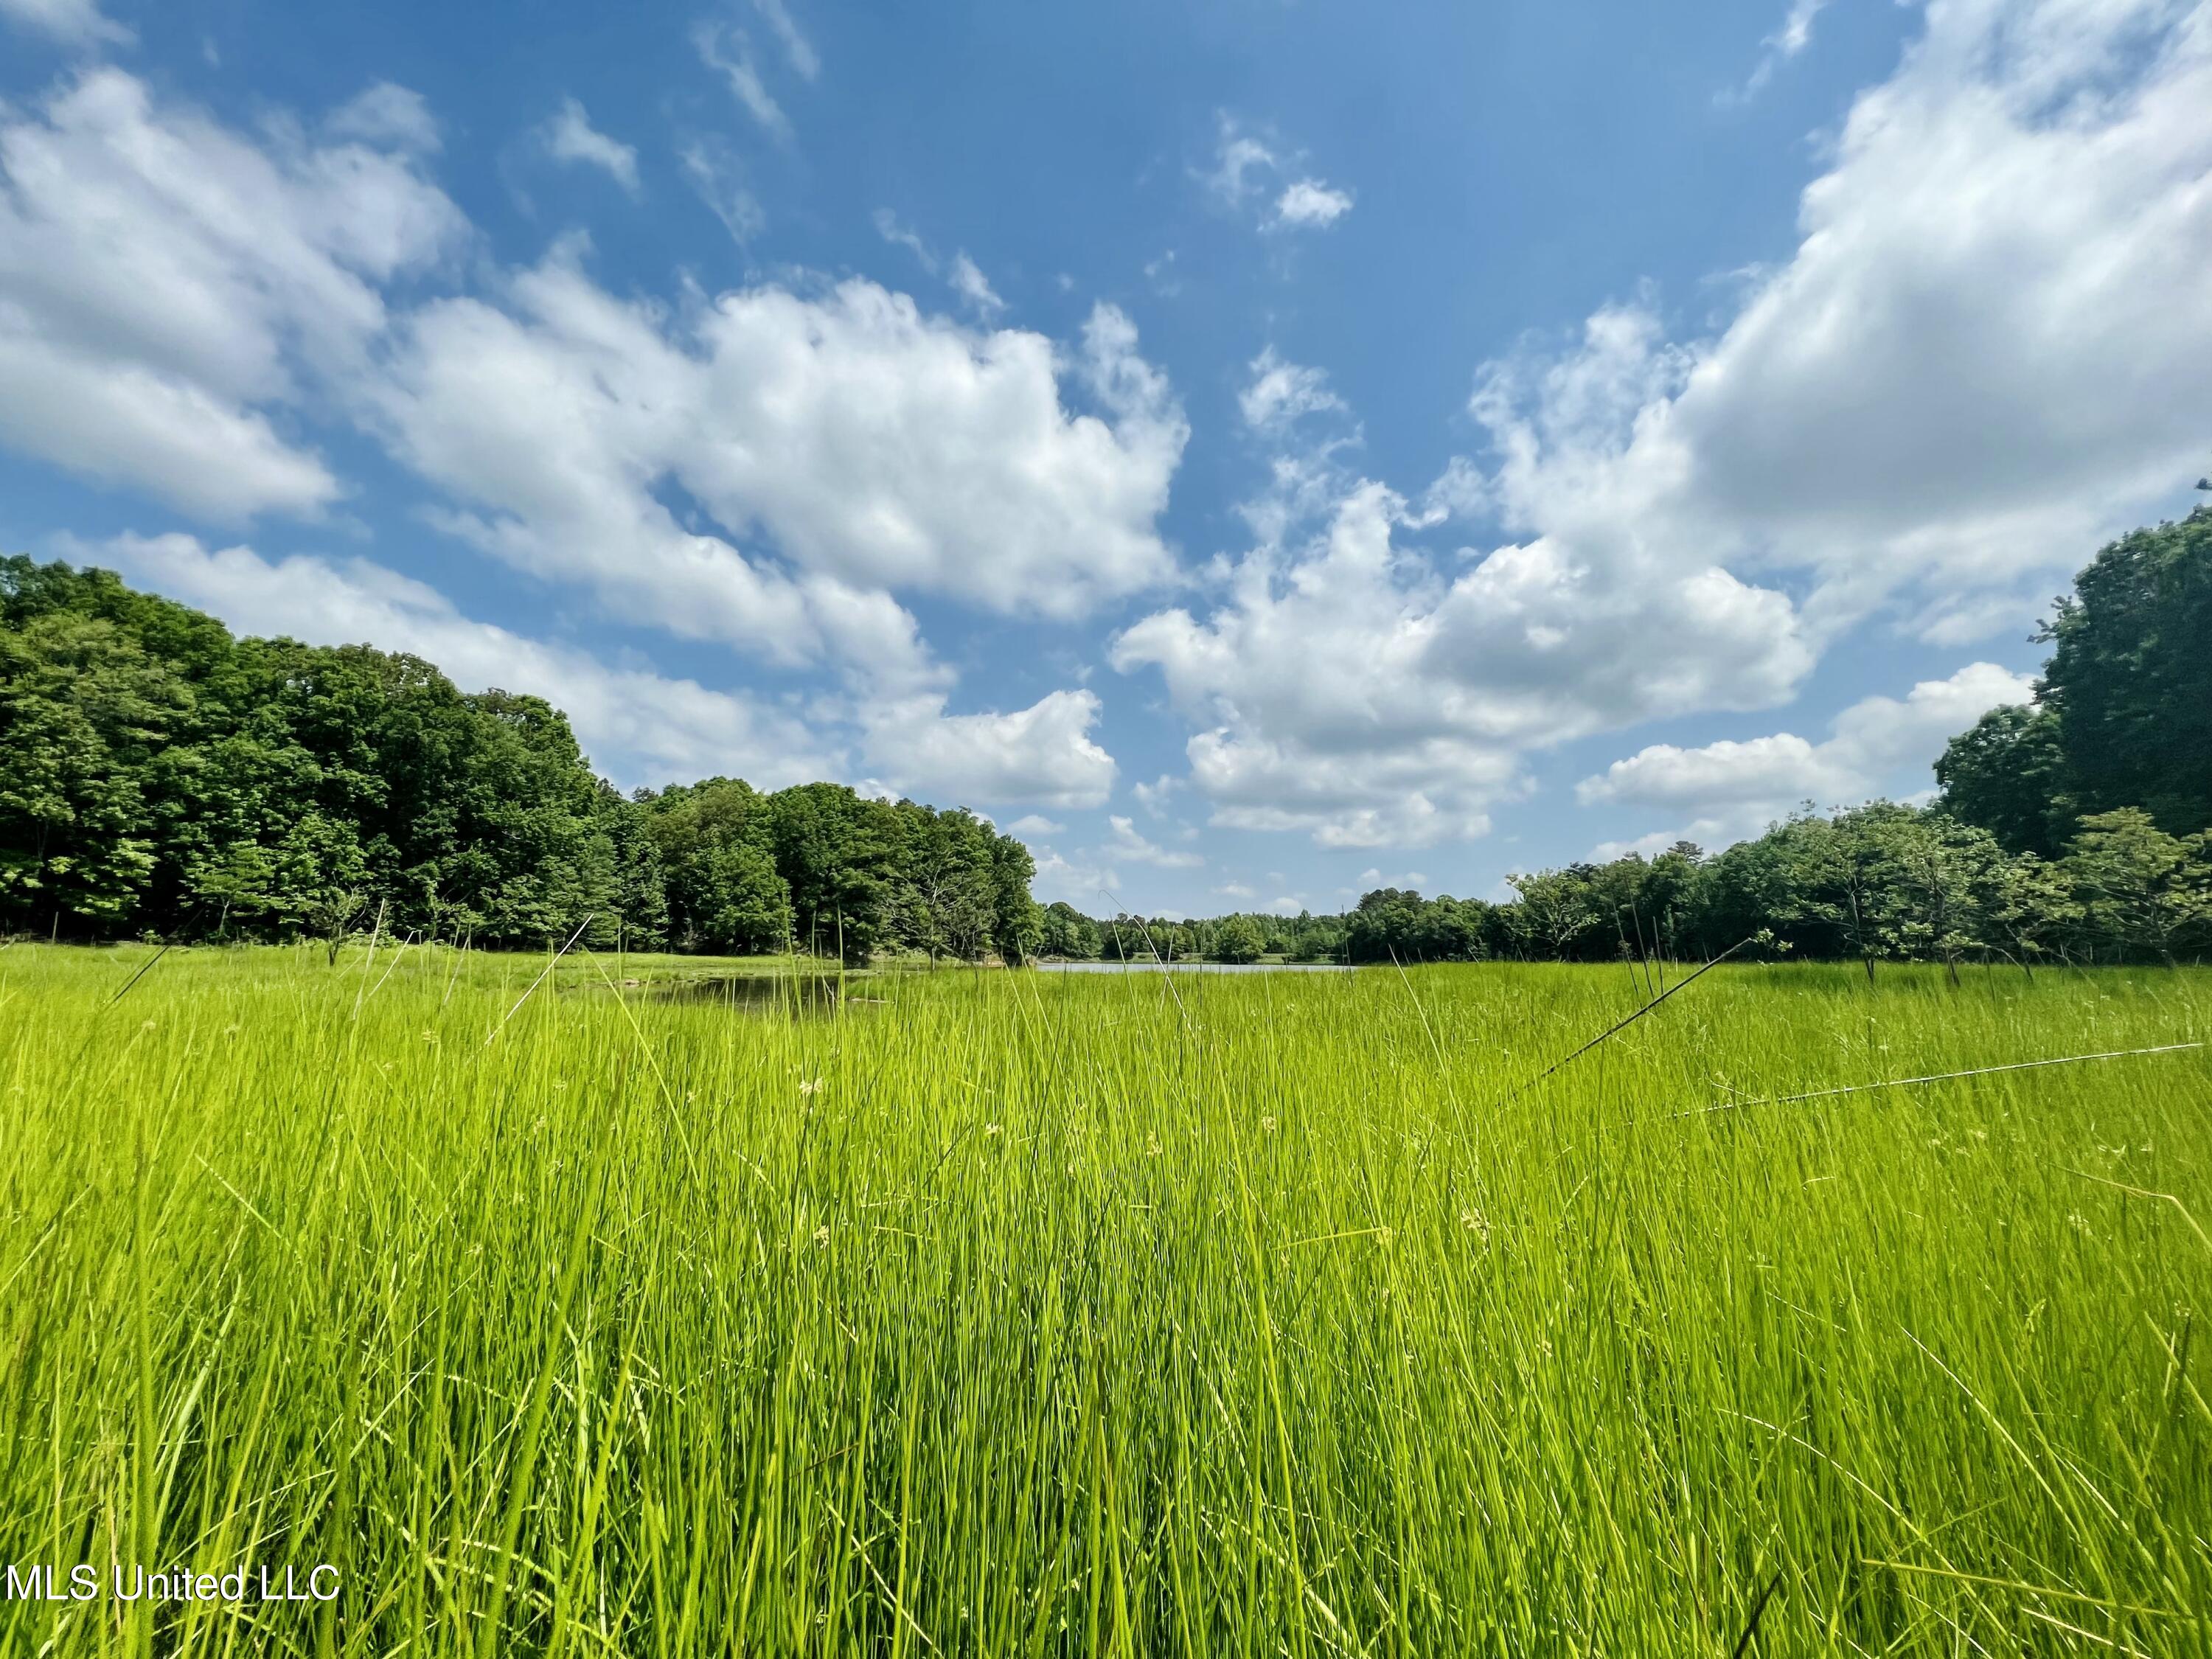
(1021, 1314)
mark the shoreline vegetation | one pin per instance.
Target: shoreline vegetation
(162, 779)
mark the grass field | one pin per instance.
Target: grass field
(1015, 1314)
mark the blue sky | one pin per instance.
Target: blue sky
(1255, 450)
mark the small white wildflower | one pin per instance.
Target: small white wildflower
(990, 1129)
(1267, 1123)
(811, 1086)
(822, 1235)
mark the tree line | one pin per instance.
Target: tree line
(2076, 829)
(159, 777)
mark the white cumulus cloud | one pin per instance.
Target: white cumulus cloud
(872, 446)
(1732, 788)
(1041, 755)
(761, 468)
(168, 288)
(1987, 353)
(1347, 689)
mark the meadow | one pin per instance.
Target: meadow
(1014, 1314)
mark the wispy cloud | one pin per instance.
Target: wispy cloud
(1779, 47)
(73, 23)
(965, 276)
(1246, 168)
(570, 136)
(1280, 391)
(729, 51)
(1237, 157)
(889, 227)
(719, 176)
(969, 283)
(387, 115)
(796, 47)
(1126, 845)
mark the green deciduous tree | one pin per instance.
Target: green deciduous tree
(1018, 923)
(2006, 775)
(1068, 933)
(2123, 712)
(85, 713)
(2129, 677)
(1238, 939)
(2142, 891)
(716, 847)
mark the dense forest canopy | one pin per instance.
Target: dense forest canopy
(158, 775)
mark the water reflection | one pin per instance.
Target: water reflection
(766, 992)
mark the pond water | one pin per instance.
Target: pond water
(1193, 968)
(768, 992)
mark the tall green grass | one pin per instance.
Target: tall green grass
(1017, 1313)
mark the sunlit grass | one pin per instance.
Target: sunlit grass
(1019, 1314)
